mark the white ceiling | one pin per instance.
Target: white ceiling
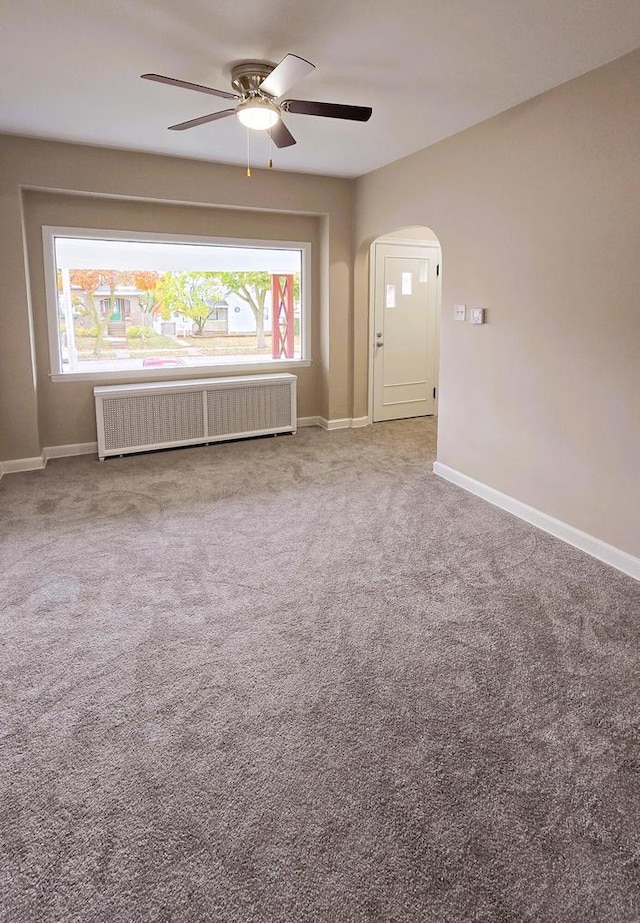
(429, 68)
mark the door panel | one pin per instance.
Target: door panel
(404, 336)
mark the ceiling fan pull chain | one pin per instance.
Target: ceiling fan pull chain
(248, 154)
(270, 151)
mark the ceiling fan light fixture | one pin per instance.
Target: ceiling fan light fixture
(259, 114)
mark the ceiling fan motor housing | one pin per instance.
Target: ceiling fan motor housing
(247, 77)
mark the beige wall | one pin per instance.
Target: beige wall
(422, 234)
(123, 187)
(538, 215)
(66, 409)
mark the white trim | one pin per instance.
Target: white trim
(593, 546)
(190, 384)
(38, 462)
(435, 309)
(57, 373)
(312, 421)
(66, 451)
(408, 241)
(345, 423)
(15, 465)
(165, 374)
(90, 448)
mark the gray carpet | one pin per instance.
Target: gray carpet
(302, 679)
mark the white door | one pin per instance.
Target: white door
(406, 279)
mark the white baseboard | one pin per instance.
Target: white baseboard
(345, 423)
(312, 421)
(38, 462)
(15, 465)
(595, 547)
(74, 448)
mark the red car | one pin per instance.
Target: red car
(156, 361)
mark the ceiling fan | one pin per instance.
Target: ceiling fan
(258, 88)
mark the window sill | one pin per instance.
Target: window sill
(176, 373)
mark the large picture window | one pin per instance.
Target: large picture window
(125, 303)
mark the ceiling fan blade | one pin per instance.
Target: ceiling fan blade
(330, 110)
(281, 136)
(285, 74)
(202, 120)
(223, 94)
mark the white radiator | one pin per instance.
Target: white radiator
(138, 418)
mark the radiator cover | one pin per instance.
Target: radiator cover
(140, 418)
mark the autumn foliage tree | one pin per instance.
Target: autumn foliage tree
(89, 281)
(147, 282)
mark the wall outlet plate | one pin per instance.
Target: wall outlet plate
(476, 316)
(459, 311)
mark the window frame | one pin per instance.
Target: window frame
(261, 365)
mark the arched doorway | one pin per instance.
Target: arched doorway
(404, 324)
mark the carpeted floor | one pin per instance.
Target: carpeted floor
(302, 680)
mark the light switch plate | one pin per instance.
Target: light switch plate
(459, 311)
(476, 316)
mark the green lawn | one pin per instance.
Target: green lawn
(157, 344)
(157, 341)
(134, 344)
(227, 346)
